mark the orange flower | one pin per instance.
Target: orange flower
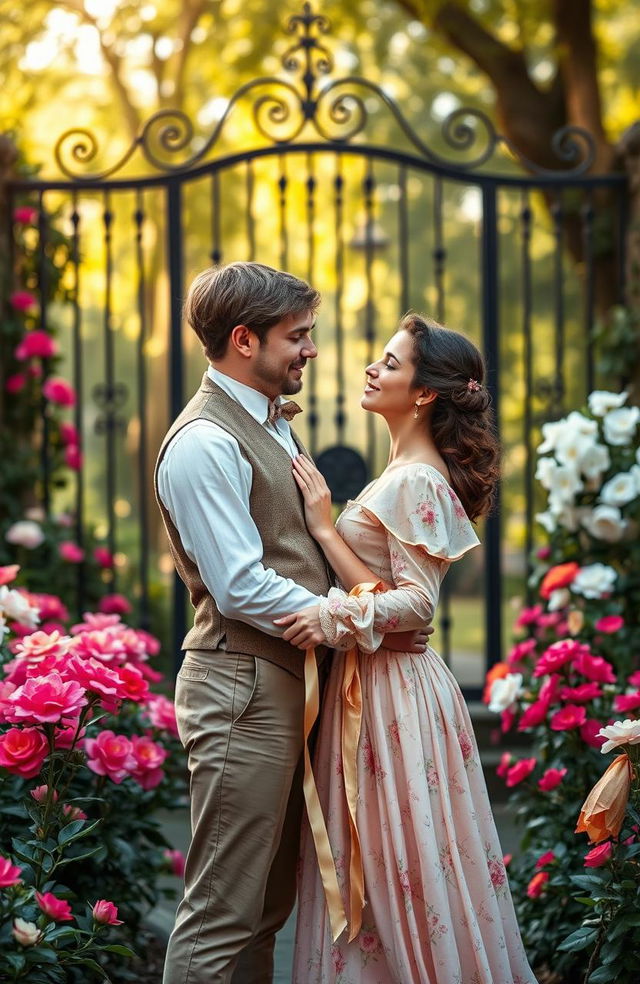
(603, 810)
(497, 672)
(558, 577)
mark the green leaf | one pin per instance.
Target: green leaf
(579, 939)
(601, 976)
(75, 830)
(124, 951)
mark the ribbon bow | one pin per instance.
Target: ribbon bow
(287, 410)
(351, 723)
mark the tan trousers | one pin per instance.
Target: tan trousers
(241, 722)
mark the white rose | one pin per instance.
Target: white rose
(594, 580)
(558, 599)
(545, 471)
(565, 515)
(620, 425)
(619, 490)
(625, 732)
(605, 523)
(634, 471)
(35, 513)
(547, 520)
(564, 484)
(601, 401)
(504, 692)
(594, 461)
(25, 533)
(551, 431)
(571, 448)
(583, 425)
(16, 606)
(26, 933)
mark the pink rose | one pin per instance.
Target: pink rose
(103, 557)
(36, 344)
(594, 668)
(110, 755)
(609, 624)
(634, 679)
(71, 552)
(549, 689)
(589, 733)
(518, 772)
(50, 606)
(521, 651)
(23, 750)
(162, 714)
(39, 794)
(15, 383)
(148, 756)
(586, 691)
(95, 622)
(54, 908)
(26, 933)
(9, 873)
(543, 553)
(73, 457)
(627, 702)
(528, 616)
(45, 699)
(536, 886)
(39, 645)
(551, 779)
(547, 858)
(25, 215)
(599, 856)
(69, 433)
(176, 862)
(22, 300)
(65, 737)
(571, 716)
(505, 762)
(506, 720)
(115, 604)
(9, 573)
(101, 645)
(133, 685)
(58, 390)
(106, 913)
(73, 812)
(93, 675)
(535, 714)
(559, 654)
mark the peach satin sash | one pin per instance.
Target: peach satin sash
(351, 693)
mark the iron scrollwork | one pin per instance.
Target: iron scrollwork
(335, 109)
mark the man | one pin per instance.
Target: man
(236, 528)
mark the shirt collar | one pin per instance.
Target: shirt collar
(254, 402)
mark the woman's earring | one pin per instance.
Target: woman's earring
(416, 412)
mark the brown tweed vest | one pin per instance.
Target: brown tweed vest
(277, 509)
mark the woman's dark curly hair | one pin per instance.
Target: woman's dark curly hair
(462, 422)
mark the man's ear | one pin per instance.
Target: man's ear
(243, 341)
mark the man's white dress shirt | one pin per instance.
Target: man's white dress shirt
(204, 483)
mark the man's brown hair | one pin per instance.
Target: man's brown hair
(249, 294)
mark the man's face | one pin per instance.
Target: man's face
(278, 363)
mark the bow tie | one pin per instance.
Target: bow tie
(287, 410)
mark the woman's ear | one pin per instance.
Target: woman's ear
(425, 397)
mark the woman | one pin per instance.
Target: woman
(437, 906)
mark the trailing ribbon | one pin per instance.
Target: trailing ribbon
(351, 693)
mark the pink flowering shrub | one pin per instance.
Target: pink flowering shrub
(573, 669)
(88, 754)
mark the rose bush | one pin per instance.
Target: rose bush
(573, 669)
(88, 754)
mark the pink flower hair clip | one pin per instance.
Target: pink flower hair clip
(473, 386)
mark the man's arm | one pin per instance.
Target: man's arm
(205, 484)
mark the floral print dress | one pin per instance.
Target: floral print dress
(438, 908)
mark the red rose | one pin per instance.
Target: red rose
(106, 912)
(36, 344)
(551, 779)
(598, 856)
(547, 858)
(23, 750)
(586, 691)
(537, 884)
(589, 733)
(609, 624)
(115, 604)
(535, 714)
(594, 668)
(54, 908)
(571, 716)
(505, 762)
(520, 771)
(558, 654)
(58, 390)
(627, 702)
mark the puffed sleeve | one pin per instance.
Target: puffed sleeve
(426, 528)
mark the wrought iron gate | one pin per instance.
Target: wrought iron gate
(379, 227)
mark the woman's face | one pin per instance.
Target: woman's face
(389, 389)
